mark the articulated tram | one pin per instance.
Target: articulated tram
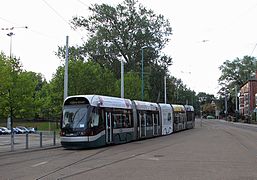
(92, 120)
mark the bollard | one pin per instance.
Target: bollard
(12, 141)
(27, 141)
(54, 138)
(41, 139)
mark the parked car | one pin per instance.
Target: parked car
(22, 129)
(210, 117)
(1, 131)
(4, 130)
(31, 130)
(17, 131)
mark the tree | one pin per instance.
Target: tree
(233, 75)
(236, 73)
(84, 78)
(204, 103)
(132, 86)
(10, 86)
(17, 89)
(121, 32)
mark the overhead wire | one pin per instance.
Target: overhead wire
(253, 49)
(56, 12)
(60, 16)
(81, 2)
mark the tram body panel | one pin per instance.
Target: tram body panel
(166, 115)
(179, 117)
(190, 116)
(148, 121)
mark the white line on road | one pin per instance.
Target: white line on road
(39, 164)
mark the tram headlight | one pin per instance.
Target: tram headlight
(82, 133)
(62, 133)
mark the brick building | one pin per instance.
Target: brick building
(247, 102)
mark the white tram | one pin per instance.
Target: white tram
(93, 121)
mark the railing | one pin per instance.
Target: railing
(40, 139)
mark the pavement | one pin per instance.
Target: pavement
(214, 150)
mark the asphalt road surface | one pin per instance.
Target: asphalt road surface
(215, 150)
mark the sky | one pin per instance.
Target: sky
(206, 33)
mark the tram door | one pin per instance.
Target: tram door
(142, 125)
(108, 127)
(155, 124)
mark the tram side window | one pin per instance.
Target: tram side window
(96, 119)
(169, 116)
(149, 119)
(183, 117)
(122, 120)
(128, 120)
(117, 120)
(157, 119)
(142, 115)
(176, 118)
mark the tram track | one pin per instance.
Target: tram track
(71, 164)
(20, 161)
(117, 161)
(91, 158)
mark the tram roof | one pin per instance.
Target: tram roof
(178, 108)
(189, 108)
(106, 101)
(142, 105)
(165, 106)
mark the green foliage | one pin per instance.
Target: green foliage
(208, 109)
(236, 73)
(84, 78)
(18, 89)
(121, 32)
(132, 86)
(233, 75)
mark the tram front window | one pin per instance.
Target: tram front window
(75, 117)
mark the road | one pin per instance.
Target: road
(215, 150)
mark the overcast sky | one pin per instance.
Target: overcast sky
(205, 34)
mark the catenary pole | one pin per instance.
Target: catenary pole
(122, 79)
(66, 69)
(165, 91)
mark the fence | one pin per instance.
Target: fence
(41, 139)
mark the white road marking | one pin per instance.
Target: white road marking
(154, 159)
(39, 164)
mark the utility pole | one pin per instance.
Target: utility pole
(226, 106)
(122, 79)
(165, 91)
(10, 118)
(65, 95)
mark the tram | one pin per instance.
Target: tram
(91, 121)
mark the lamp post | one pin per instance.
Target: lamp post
(142, 73)
(121, 79)
(9, 94)
(10, 34)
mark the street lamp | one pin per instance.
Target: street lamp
(142, 73)
(10, 34)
